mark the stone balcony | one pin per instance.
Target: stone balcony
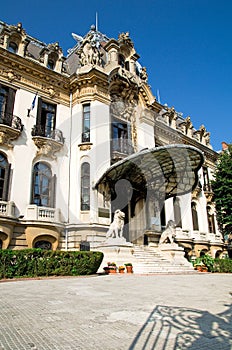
(7, 209)
(10, 129)
(48, 143)
(36, 213)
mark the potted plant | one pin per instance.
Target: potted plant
(121, 269)
(112, 267)
(199, 265)
(129, 268)
(106, 269)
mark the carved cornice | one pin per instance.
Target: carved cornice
(92, 85)
(173, 135)
(26, 73)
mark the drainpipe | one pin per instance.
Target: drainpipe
(69, 169)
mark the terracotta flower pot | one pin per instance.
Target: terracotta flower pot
(129, 269)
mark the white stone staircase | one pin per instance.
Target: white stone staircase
(151, 260)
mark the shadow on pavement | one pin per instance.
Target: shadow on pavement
(177, 328)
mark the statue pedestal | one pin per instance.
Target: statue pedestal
(116, 250)
(175, 252)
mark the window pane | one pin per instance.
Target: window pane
(42, 185)
(13, 47)
(85, 186)
(86, 123)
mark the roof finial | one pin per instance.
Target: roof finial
(96, 22)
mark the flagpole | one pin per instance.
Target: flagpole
(96, 22)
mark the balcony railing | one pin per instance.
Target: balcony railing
(35, 212)
(122, 145)
(11, 120)
(7, 209)
(42, 131)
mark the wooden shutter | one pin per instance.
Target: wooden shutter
(10, 102)
(39, 109)
(53, 192)
(6, 183)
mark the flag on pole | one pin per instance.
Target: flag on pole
(33, 102)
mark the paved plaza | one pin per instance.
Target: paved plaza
(117, 312)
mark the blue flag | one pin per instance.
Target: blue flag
(33, 102)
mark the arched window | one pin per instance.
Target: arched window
(43, 187)
(177, 212)
(13, 47)
(85, 186)
(4, 177)
(194, 216)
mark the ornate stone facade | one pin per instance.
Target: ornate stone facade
(65, 121)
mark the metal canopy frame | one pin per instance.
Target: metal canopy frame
(171, 169)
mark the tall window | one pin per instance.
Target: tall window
(85, 186)
(4, 177)
(194, 216)
(43, 190)
(177, 212)
(86, 123)
(122, 137)
(7, 97)
(46, 119)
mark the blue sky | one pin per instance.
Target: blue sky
(185, 45)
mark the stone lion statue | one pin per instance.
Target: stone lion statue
(116, 227)
(169, 233)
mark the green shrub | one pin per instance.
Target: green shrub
(38, 262)
(223, 265)
(214, 265)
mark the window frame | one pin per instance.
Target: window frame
(5, 179)
(85, 186)
(43, 181)
(46, 118)
(7, 99)
(86, 115)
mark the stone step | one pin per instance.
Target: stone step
(149, 261)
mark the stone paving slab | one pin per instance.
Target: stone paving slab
(118, 312)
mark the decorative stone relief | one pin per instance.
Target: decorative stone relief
(10, 74)
(47, 147)
(124, 39)
(89, 52)
(143, 74)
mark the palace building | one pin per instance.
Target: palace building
(69, 125)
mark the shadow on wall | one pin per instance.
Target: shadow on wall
(175, 328)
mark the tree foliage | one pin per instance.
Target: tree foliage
(222, 188)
